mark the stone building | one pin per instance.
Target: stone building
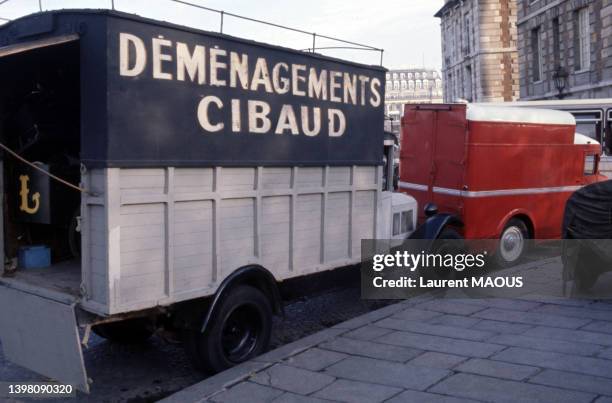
(406, 86)
(479, 54)
(565, 48)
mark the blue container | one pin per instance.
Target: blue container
(34, 256)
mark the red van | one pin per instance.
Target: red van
(505, 172)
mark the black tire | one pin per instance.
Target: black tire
(129, 331)
(587, 270)
(508, 252)
(448, 242)
(239, 330)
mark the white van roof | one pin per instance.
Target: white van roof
(492, 113)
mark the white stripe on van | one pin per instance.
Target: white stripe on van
(490, 193)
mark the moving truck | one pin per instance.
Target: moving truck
(505, 172)
(177, 178)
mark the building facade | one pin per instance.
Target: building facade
(408, 86)
(479, 50)
(565, 48)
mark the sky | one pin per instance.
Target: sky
(405, 29)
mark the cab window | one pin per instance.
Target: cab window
(608, 134)
(589, 123)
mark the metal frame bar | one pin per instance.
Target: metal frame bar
(354, 45)
(351, 45)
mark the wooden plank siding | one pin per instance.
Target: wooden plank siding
(157, 236)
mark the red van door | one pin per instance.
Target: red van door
(433, 155)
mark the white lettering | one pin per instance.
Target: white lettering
(317, 84)
(236, 119)
(216, 65)
(364, 81)
(350, 89)
(140, 53)
(334, 85)
(258, 117)
(159, 58)
(192, 63)
(281, 84)
(375, 98)
(297, 79)
(336, 131)
(316, 120)
(261, 76)
(239, 69)
(203, 117)
(287, 121)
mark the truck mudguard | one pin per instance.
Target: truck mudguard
(253, 275)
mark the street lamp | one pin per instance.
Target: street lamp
(560, 77)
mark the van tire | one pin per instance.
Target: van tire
(449, 241)
(239, 330)
(512, 243)
(129, 331)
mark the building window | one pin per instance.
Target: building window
(536, 51)
(426, 84)
(468, 39)
(467, 91)
(403, 84)
(556, 41)
(411, 85)
(396, 85)
(584, 39)
(419, 84)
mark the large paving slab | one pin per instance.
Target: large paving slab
(405, 376)
(489, 389)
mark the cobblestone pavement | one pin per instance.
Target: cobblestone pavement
(430, 349)
(148, 372)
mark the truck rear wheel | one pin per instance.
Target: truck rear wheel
(239, 330)
(512, 243)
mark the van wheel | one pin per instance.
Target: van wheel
(512, 243)
(239, 331)
(129, 331)
(448, 242)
